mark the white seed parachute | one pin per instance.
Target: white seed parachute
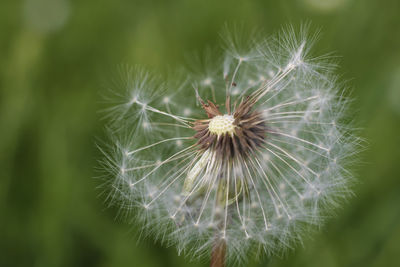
(260, 178)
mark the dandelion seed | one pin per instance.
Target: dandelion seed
(263, 154)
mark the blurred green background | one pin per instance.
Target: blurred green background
(55, 57)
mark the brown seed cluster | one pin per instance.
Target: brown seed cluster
(248, 134)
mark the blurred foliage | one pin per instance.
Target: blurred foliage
(56, 56)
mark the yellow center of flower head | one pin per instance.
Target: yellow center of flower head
(222, 124)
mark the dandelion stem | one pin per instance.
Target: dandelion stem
(218, 253)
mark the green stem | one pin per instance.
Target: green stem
(218, 252)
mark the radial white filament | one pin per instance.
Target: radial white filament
(252, 175)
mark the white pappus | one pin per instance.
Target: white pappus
(241, 158)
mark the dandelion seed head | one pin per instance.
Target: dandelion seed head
(256, 155)
(222, 124)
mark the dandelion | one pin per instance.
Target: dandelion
(240, 161)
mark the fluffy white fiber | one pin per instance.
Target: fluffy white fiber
(177, 192)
